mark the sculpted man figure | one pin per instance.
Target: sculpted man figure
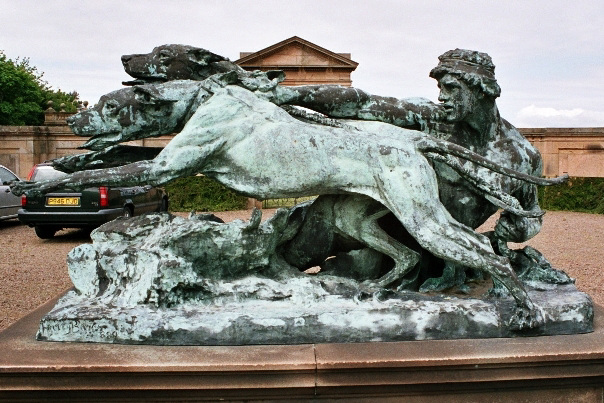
(467, 115)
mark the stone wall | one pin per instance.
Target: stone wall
(21, 147)
(576, 151)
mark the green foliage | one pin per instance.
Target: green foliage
(202, 194)
(578, 194)
(21, 95)
(24, 94)
(59, 97)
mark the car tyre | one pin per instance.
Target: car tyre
(45, 232)
(163, 207)
(127, 213)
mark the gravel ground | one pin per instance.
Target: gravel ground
(34, 271)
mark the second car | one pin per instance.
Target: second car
(89, 208)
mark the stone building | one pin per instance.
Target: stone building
(578, 152)
(302, 61)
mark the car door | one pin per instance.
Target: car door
(146, 199)
(138, 196)
(9, 203)
(152, 199)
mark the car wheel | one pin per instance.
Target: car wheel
(45, 232)
(88, 230)
(163, 207)
(127, 213)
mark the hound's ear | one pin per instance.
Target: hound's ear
(204, 57)
(147, 94)
(277, 75)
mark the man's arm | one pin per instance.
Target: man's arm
(512, 228)
(351, 103)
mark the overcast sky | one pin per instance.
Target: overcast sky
(549, 53)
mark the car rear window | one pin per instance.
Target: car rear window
(45, 173)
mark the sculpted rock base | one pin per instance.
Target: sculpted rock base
(167, 280)
(303, 312)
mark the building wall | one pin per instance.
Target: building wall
(316, 75)
(21, 147)
(304, 67)
(303, 62)
(576, 151)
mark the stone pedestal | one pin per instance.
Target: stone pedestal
(547, 368)
(311, 318)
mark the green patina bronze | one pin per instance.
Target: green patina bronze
(402, 184)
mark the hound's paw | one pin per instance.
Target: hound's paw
(370, 286)
(525, 318)
(20, 188)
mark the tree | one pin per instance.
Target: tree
(24, 94)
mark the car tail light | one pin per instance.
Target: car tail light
(31, 173)
(104, 193)
(23, 200)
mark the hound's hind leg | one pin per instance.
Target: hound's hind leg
(368, 231)
(426, 219)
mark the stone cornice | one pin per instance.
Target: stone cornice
(342, 60)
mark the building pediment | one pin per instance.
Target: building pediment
(295, 52)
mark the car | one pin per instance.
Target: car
(9, 203)
(90, 208)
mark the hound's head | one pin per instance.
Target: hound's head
(136, 112)
(175, 62)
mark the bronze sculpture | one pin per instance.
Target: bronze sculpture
(230, 129)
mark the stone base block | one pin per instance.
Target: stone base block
(328, 320)
(566, 368)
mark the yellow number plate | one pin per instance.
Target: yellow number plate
(63, 201)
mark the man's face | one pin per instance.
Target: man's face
(459, 99)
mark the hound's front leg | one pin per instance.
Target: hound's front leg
(126, 175)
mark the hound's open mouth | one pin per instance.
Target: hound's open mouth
(100, 141)
(145, 80)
